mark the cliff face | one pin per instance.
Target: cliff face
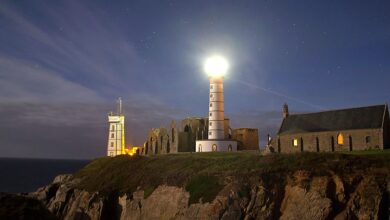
(300, 195)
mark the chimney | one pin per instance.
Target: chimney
(285, 111)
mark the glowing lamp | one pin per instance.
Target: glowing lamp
(216, 66)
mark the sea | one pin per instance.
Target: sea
(19, 175)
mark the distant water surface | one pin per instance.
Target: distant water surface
(27, 175)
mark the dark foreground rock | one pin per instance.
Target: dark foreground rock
(21, 207)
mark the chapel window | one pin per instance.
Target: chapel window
(112, 135)
(340, 139)
(295, 142)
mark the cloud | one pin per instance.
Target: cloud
(21, 81)
(77, 44)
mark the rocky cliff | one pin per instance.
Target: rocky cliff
(238, 186)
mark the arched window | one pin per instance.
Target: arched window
(301, 144)
(295, 142)
(186, 128)
(112, 127)
(340, 139)
(214, 147)
(332, 143)
(112, 135)
(173, 135)
(112, 144)
(350, 143)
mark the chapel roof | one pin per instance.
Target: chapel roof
(369, 117)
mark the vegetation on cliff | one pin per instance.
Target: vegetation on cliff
(203, 175)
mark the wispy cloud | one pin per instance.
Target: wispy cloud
(21, 81)
(81, 47)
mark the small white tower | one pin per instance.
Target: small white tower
(116, 132)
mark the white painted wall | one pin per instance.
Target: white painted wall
(115, 135)
(216, 109)
(221, 145)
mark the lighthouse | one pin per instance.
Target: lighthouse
(216, 67)
(116, 132)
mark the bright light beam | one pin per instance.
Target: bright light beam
(280, 95)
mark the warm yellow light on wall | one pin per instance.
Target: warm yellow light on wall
(340, 139)
(295, 142)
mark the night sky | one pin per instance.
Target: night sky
(63, 64)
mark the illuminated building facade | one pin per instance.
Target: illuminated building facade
(116, 132)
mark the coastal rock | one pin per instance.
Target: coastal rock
(301, 196)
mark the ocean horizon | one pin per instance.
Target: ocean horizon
(23, 175)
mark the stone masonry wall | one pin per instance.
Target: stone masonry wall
(248, 138)
(322, 141)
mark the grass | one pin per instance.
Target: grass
(202, 174)
(385, 152)
(202, 187)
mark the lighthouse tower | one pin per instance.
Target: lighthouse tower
(216, 109)
(116, 132)
(216, 67)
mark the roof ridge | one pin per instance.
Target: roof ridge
(336, 110)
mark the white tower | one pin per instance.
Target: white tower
(116, 132)
(216, 67)
(216, 109)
